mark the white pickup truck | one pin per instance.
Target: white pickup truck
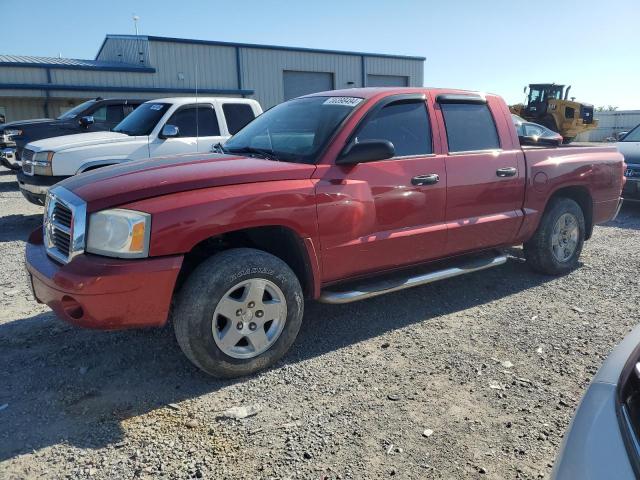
(157, 128)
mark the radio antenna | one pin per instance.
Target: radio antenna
(197, 112)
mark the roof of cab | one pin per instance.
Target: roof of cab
(187, 100)
(369, 92)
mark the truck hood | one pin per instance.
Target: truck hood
(25, 123)
(132, 181)
(57, 144)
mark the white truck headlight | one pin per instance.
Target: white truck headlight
(42, 163)
(119, 233)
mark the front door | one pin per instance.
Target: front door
(389, 213)
(198, 130)
(485, 182)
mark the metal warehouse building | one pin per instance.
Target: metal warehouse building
(132, 66)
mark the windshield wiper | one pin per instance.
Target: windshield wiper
(218, 148)
(260, 152)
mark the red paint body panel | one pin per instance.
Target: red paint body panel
(352, 220)
(103, 293)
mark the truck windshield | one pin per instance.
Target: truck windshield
(142, 120)
(75, 111)
(294, 131)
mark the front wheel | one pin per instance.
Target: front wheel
(556, 246)
(238, 312)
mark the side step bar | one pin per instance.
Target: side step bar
(374, 288)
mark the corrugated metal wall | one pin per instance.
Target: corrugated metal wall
(262, 70)
(176, 65)
(610, 123)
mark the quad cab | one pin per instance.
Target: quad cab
(336, 197)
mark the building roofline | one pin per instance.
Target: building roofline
(258, 46)
(104, 88)
(61, 66)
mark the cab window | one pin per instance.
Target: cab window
(193, 121)
(470, 127)
(404, 123)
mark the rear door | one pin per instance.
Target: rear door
(379, 215)
(485, 173)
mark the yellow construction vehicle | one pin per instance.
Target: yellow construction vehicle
(548, 105)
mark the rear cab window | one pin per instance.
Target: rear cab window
(404, 123)
(469, 126)
(237, 115)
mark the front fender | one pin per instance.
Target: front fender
(100, 163)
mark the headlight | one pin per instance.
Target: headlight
(12, 132)
(119, 233)
(42, 163)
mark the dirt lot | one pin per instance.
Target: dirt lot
(493, 364)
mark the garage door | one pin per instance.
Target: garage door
(387, 81)
(303, 83)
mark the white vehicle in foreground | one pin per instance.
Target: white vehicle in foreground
(157, 128)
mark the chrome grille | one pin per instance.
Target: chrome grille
(27, 154)
(62, 215)
(632, 172)
(27, 158)
(64, 224)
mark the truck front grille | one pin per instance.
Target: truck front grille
(64, 224)
(26, 158)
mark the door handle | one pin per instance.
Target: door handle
(430, 179)
(507, 172)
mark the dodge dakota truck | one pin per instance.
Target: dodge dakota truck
(336, 196)
(167, 126)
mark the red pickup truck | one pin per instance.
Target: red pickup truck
(336, 196)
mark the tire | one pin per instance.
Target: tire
(214, 287)
(542, 253)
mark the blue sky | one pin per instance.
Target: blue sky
(493, 45)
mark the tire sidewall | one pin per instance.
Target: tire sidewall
(211, 281)
(560, 208)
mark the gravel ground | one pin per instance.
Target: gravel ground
(474, 377)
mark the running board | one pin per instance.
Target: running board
(375, 288)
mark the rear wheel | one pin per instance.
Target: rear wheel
(556, 246)
(238, 312)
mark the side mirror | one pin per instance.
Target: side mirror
(536, 141)
(87, 121)
(366, 151)
(169, 131)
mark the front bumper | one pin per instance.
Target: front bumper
(9, 159)
(35, 187)
(103, 293)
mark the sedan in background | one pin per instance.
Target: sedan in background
(602, 441)
(629, 146)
